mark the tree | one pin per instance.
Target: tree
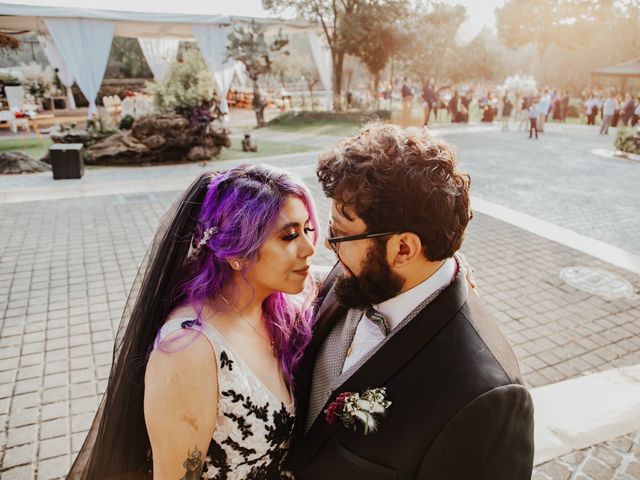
(431, 50)
(311, 78)
(545, 22)
(603, 33)
(375, 34)
(251, 48)
(329, 14)
(126, 60)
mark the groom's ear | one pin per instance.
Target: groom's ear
(403, 248)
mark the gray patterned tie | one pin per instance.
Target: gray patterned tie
(378, 320)
(329, 363)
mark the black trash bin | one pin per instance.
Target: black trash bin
(66, 160)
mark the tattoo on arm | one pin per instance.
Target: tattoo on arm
(193, 465)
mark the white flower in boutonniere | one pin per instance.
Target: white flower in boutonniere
(351, 408)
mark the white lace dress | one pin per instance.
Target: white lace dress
(253, 427)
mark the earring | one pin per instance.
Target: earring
(236, 265)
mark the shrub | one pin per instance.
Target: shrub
(625, 140)
(126, 122)
(186, 86)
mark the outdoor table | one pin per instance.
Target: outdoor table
(53, 102)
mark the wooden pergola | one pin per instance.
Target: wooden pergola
(622, 71)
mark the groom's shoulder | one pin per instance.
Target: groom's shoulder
(483, 346)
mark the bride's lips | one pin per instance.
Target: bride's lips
(303, 271)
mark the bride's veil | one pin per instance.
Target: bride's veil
(117, 444)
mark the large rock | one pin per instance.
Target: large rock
(120, 148)
(158, 139)
(75, 136)
(16, 162)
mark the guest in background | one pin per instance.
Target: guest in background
(597, 106)
(407, 102)
(429, 97)
(453, 106)
(466, 104)
(636, 114)
(589, 109)
(616, 114)
(534, 115)
(556, 106)
(486, 107)
(627, 108)
(524, 112)
(543, 109)
(564, 106)
(608, 109)
(507, 106)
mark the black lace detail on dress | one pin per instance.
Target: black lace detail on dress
(190, 323)
(243, 426)
(245, 452)
(236, 397)
(225, 361)
(217, 458)
(282, 426)
(261, 413)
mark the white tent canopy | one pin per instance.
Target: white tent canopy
(159, 53)
(20, 17)
(56, 60)
(85, 51)
(84, 45)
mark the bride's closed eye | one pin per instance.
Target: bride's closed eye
(293, 235)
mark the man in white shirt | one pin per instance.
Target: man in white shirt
(406, 376)
(608, 109)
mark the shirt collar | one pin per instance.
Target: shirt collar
(397, 308)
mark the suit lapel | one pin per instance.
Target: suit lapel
(328, 314)
(391, 357)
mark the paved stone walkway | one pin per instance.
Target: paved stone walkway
(66, 267)
(64, 302)
(557, 179)
(617, 459)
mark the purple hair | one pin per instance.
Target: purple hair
(244, 203)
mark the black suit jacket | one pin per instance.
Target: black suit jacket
(460, 410)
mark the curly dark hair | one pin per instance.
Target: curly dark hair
(400, 179)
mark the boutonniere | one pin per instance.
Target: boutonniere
(352, 408)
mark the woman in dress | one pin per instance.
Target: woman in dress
(201, 381)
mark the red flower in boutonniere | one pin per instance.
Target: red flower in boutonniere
(352, 408)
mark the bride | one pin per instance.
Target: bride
(201, 381)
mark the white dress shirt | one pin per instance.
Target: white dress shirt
(368, 335)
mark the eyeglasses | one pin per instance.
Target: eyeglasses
(334, 241)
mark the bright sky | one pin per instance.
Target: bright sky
(480, 12)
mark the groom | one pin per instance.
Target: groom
(396, 314)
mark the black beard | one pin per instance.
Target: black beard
(375, 284)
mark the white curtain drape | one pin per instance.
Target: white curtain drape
(322, 58)
(84, 46)
(240, 72)
(159, 53)
(212, 42)
(56, 60)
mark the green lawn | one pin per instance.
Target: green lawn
(31, 146)
(35, 149)
(265, 149)
(340, 128)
